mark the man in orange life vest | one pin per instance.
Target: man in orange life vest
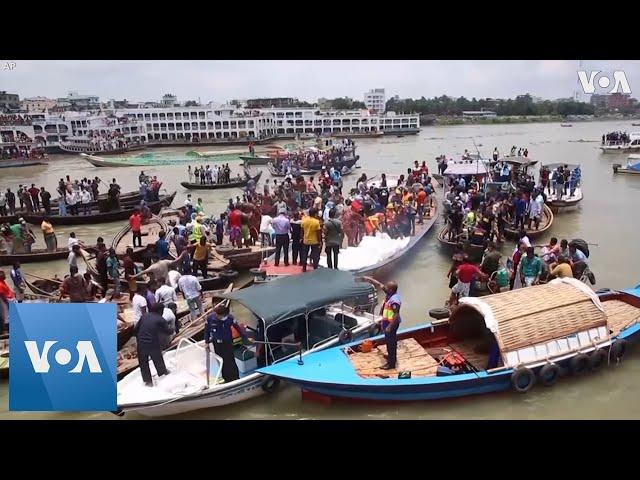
(390, 312)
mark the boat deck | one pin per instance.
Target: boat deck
(411, 357)
(620, 315)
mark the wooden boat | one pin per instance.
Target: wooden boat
(21, 163)
(256, 159)
(36, 255)
(565, 201)
(245, 258)
(566, 125)
(150, 232)
(90, 149)
(44, 287)
(100, 217)
(339, 165)
(617, 168)
(274, 172)
(475, 252)
(219, 186)
(545, 224)
(505, 341)
(316, 296)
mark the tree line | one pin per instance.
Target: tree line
(521, 105)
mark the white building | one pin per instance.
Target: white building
(37, 104)
(375, 100)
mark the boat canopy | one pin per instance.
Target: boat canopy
(284, 298)
(475, 168)
(634, 164)
(535, 315)
(515, 160)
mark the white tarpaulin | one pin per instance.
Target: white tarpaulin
(371, 251)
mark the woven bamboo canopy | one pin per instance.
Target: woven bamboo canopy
(535, 315)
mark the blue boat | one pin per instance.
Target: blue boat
(510, 340)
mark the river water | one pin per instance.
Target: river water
(605, 217)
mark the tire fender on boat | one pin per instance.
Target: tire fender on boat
(269, 384)
(375, 330)
(579, 364)
(345, 336)
(439, 313)
(523, 379)
(597, 359)
(618, 350)
(549, 374)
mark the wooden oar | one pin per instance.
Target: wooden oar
(45, 279)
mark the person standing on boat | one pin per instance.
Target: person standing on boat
(50, 238)
(495, 154)
(218, 330)
(281, 226)
(74, 286)
(18, 282)
(312, 237)
(11, 202)
(149, 331)
(135, 222)
(6, 297)
(390, 312)
(113, 266)
(190, 174)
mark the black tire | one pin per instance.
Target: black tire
(375, 330)
(618, 350)
(523, 380)
(345, 336)
(597, 360)
(579, 364)
(229, 274)
(549, 374)
(269, 384)
(439, 313)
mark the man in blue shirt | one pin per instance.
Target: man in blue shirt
(281, 226)
(520, 205)
(162, 246)
(218, 330)
(220, 228)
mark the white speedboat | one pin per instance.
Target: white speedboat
(300, 314)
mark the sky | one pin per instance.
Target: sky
(220, 81)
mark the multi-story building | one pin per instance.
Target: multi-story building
(74, 101)
(9, 101)
(375, 100)
(37, 104)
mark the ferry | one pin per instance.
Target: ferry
(617, 147)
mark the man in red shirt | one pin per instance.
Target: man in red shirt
(465, 273)
(6, 296)
(135, 221)
(235, 226)
(421, 197)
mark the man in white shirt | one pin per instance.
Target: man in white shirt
(139, 307)
(265, 230)
(71, 203)
(169, 314)
(188, 202)
(73, 241)
(85, 198)
(166, 295)
(172, 277)
(192, 291)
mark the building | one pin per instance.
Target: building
(324, 103)
(37, 104)
(612, 101)
(479, 114)
(74, 101)
(169, 101)
(598, 100)
(282, 102)
(374, 100)
(9, 101)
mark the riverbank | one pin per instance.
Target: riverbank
(511, 119)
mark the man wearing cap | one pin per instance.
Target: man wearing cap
(281, 226)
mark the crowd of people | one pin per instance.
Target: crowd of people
(615, 138)
(22, 152)
(8, 120)
(304, 159)
(219, 174)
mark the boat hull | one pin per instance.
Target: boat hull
(338, 165)
(34, 257)
(257, 160)
(619, 169)
(220, 186)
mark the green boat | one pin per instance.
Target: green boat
(153, 160)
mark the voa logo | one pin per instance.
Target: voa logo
(40, 358)
(588, 82)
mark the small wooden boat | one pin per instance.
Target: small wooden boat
(36, 255)
(44, 287)
(510, 340)
(618, 168)
(256, 159)
(150, 232)
(564, 201)
(21, 163)
(219, 186)
(316, 296)
(475, 252)
(566, 125)
(245, 258)
(274, 172)
(101, 217)
(635, 124)
(339, 165)
(545, 224)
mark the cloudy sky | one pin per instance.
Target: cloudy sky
(307, 79)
